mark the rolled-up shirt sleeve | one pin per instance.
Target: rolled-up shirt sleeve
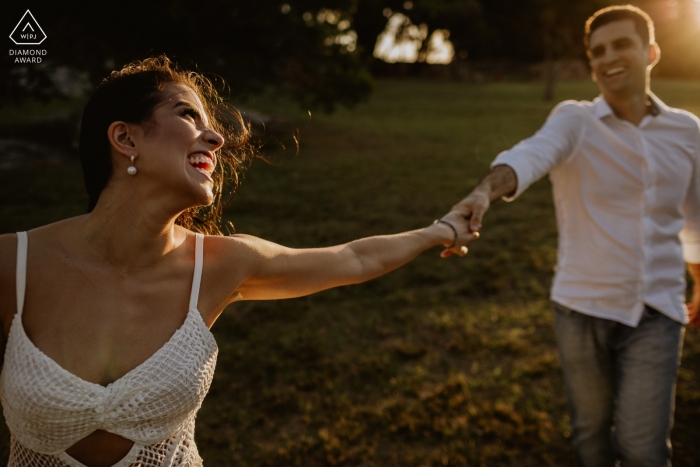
(690, 235)
(533, 157)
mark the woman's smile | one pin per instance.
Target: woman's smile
(203, 162)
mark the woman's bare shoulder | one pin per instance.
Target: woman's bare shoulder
(40, 235)
(234, 255)
(41, 238)
(8, 253)
(227, 247)
(56, 229)
(240, 247)
(233, 241)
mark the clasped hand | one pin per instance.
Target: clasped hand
(466, 217)
(463, 237)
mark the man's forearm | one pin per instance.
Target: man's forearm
(500, 181)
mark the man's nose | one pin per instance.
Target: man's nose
(610, 54)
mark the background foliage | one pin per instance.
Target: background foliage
(293, 47)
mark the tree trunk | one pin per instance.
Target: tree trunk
(550, 80)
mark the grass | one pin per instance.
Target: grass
(443, 362)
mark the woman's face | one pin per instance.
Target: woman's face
(177, 148)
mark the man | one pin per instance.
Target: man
(625, 171)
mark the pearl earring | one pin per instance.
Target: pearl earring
(132, 169)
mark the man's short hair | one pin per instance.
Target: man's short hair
(642, 22)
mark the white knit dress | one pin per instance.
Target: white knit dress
(48, 409)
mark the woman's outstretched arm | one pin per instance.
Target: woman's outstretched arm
(274, 271)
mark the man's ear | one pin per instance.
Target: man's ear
(590, 65)
(120, 136)
(654, 54)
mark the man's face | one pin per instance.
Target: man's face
(619, 59)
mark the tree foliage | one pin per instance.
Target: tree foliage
(251, 44)
(317, 51)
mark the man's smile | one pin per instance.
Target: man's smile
(614, 71)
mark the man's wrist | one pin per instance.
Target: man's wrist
(502, 181)
(483, 189)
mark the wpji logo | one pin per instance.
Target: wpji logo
(28, 31)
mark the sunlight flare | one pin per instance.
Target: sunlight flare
(402, 42)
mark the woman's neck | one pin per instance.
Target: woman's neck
(130, 234)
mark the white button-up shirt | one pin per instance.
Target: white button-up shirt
(622, 194)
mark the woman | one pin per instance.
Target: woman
(104, 362)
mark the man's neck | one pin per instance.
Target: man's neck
(632, 108)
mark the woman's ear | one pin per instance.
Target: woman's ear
(121, 138)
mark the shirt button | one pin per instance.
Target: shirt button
(99, 409)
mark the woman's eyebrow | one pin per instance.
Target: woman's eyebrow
(189, 104)
(192, 106)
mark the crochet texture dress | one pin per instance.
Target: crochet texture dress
(48, 409)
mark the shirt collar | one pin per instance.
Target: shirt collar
(602, 109)
(658, 107)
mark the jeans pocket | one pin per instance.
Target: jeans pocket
(650, 313)
(562, 310)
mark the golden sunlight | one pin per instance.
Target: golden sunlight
(402, 41)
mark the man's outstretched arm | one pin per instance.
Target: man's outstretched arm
(525, 163)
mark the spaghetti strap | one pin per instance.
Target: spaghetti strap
(21, 277)
(197, 279)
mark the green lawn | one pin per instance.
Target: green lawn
(443, 362)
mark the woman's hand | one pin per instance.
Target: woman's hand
(457, 245)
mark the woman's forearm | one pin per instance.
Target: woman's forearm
(381, 254)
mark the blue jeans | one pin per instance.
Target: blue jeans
(620, 384)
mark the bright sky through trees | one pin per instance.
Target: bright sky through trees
(402, 41)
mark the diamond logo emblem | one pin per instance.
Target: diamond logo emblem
(28, 31)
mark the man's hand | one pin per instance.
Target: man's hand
(694, 305)
(499, 182)
(464, 234)
(694, 310)
(473, 207)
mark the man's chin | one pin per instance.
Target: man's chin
(615, 89)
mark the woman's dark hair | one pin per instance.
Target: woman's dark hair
(130, 95)
(643, 24)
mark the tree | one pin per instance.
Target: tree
(562, 27)
(317, 51)
(525, 31)
(252, 44)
